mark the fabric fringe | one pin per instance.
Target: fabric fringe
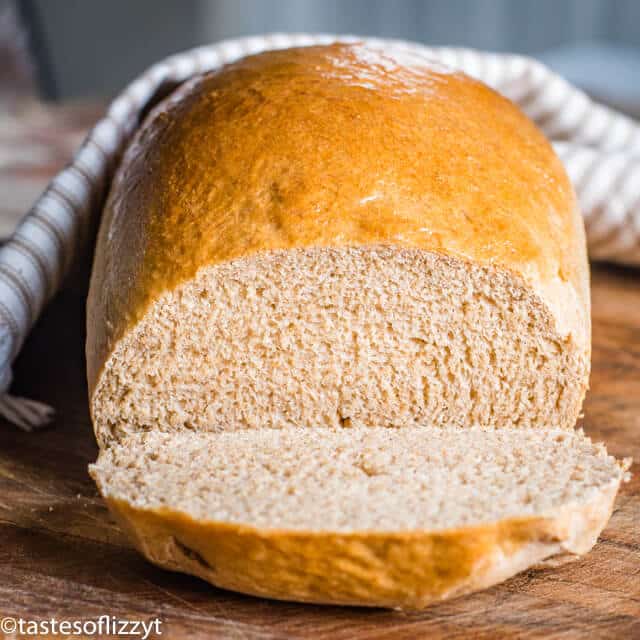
(27, 414)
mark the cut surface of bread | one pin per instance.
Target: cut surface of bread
(376, 336)
(370, 516)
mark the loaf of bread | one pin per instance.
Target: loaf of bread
(329, 283)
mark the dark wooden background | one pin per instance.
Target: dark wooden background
(62, 555)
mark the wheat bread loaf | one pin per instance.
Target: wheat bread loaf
(338, 334)
(366, 516)
(329, 234)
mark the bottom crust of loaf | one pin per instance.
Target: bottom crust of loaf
(407, 571)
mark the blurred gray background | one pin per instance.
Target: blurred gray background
(93, 47)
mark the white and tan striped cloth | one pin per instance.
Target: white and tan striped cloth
(600, 149)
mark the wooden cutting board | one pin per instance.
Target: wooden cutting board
(62, 555)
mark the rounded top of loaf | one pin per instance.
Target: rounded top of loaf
(338, 145)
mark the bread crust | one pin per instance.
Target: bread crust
(403, 570)
(333, 146)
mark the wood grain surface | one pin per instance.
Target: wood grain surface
(62, 555)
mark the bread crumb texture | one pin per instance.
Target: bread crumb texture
(370, 479)
(376, 336)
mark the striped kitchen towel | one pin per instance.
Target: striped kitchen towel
(600, 149)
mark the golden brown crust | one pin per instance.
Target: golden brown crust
(332, 146)
(407, 570)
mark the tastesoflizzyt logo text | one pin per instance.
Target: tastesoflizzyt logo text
(100, 627)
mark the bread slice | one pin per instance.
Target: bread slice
(364, 516)
(333, 236)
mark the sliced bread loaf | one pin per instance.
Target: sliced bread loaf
(368, 516)
(304, 259)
